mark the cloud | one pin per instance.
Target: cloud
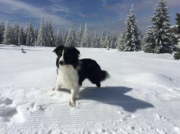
(19, 7)
(58, 6)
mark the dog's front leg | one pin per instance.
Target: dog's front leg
(58, 85)
(72, 100)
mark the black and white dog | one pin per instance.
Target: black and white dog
(72, 71)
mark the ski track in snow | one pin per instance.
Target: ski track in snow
(142, 95)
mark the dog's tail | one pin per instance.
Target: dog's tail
(104, 75)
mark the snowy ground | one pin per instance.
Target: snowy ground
(141, 97)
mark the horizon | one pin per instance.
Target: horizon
(101, 15)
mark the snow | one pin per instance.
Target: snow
(141, 96)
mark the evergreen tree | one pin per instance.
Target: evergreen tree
(49, 35)
(159, 37)
(2, 27)
(178, 28)
(35, 36)
(102, 40)
(132, 33)
(71, 38)
(16, 33)
(7, 34)
(41, 39)
(29, 35)
(107, 41)
(84, 40)
(178, 22)
(98, 41)
(121, 42)
(58, 39)
(94, 41)
(113, 42)
(21, 37)
(79, 36)
(149, 45)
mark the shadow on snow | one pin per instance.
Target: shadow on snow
(114, 96)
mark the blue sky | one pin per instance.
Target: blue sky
(100, 14)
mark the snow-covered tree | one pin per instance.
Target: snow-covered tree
(178, 22)
(102, 40)
(7, 34)
(84, 39)
(29, 35)
(79, 36)
(71, 38)
(2, 27)
(94, 41)
(16, 33)
(21, 37)
(107, 41)
(113, 42)
(49, 35)
(41, 39)
(132, 33)
(35, 36)
(121, 42)
(159, 38)
(58, 39)
(178, 28)
(149, 45)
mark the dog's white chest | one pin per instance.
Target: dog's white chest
(68, 77)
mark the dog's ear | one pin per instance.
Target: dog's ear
(58, 49)
(75, 50)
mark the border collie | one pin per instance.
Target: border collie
(72, 71)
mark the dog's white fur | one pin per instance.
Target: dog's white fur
(68, 78)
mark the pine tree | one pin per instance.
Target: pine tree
(178, 28)
(58, 39)
(49, 35)
(149, 45)
(159, 37)
(41, 39)
(79, 36)
(84, 40)
(94, 41)
(102, 40)
(71, 38)
(21, 37)
(178, 22)
(121, 42)
(16, 33)
(113, 42)
(107, 41)
(7, 34)
(29, 35)
(35, 36)
(132, 33)
(2, 27)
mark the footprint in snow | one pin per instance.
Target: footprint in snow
(35, 107)
(7, 109)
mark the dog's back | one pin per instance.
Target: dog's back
(90, 69)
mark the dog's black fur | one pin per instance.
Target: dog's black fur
(87, 68)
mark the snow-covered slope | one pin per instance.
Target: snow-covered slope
(141, 97)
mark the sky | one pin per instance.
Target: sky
(101, 15)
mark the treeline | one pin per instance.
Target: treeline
(160, 37)
(45, 36)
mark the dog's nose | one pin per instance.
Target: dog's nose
(61, 62)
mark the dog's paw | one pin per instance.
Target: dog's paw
(72, 103)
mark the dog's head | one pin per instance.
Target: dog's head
(66, 55)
